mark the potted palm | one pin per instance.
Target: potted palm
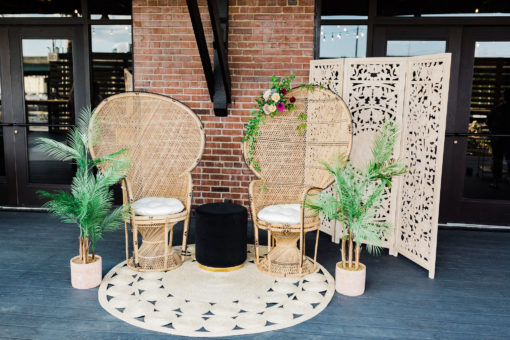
(359, 193)
(89, 204)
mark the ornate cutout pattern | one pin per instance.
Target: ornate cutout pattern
(422, 147)
(414, 93)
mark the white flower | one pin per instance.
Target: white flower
(267, 94)
(272, 108)
(275, 97)
(266, 109)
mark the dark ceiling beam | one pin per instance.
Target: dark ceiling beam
(196, 22)
(220, 46)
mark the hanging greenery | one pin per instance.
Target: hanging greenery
(270, 103)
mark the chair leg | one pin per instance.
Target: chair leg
(184, 250)
(301, 252)
(316, 247)
(256, 236)
(171, 236)
(135, 244)
(269, 237)
(165, 259)
(127, 240)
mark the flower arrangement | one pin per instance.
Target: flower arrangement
(269, 104)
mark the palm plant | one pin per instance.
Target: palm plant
(89, 204)
(359, 196)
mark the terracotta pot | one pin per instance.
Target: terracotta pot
(86, 276)
(350, 282)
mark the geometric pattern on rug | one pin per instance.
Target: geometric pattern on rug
(190, 301)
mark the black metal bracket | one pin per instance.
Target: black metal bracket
(218, 80)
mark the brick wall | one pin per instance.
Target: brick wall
(266, 37)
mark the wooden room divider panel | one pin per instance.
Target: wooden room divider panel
(413, 92)
(422, 147)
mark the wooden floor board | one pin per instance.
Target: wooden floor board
(469, 299)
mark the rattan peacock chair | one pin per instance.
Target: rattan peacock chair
(164, 141)
(290, 169)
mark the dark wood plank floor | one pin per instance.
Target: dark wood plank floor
(469, 299)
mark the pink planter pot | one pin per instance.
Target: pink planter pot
(86, 276)
(350, 282)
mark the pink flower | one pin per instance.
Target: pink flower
(266, 109)
(280, 106)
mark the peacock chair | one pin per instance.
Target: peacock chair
(289, 169)
(164, 141)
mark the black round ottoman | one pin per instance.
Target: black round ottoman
(220, 236)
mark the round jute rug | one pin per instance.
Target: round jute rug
(194, 302)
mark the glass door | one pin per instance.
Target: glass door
(4, 71)
(406, 41)
(47, 85)
(480, 158)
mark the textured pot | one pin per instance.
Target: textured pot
(350, 282)
(86, 276)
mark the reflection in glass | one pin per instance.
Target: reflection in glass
(411, 48)
(112, 10)
(2, 152)
(339, 9)
(40, 9)
(343, 41)
(488, 149)
(49, 104)
(441, 8)
(112, 60)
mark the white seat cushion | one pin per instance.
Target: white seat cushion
(157, 206)
(281, 214)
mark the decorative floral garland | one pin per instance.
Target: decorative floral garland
(270, 103)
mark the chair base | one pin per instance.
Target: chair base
(286, 269)
(150, 265)
(283, 260)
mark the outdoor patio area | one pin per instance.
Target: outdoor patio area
(468, 299)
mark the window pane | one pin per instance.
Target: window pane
(112, 60)
(49, 103)
(411, 48)
(341, 10)
(34, 8)
(113, 10)
(488, 151)
(339, 41)
(443, 8)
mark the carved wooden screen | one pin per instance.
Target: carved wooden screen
(376, 89)
(423, 133)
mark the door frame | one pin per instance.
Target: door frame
(7, 182)
(470, 210)
(453, 37)
(20, 191)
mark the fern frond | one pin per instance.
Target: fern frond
(56, 150)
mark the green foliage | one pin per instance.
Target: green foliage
(360, 191)
(89, 204)
(268, 107)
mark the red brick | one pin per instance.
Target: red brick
(266, 37)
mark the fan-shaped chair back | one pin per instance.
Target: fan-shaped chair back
(163, 137)
(288, 157)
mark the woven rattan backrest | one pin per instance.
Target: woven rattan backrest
(289, 157)
(163, 137)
